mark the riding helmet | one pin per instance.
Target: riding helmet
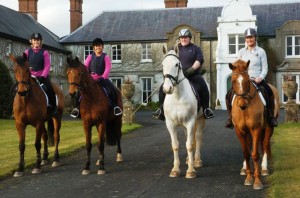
(184, 33)
(36, 36)
(250, 32)
(98, 41)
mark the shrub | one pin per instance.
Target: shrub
(5, 96)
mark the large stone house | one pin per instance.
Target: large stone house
(134, 41)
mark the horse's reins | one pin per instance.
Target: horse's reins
(172, 78)
(80, 86)
(245, 94)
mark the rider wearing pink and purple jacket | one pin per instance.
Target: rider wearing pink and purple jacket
(39, 64)
(98, 64)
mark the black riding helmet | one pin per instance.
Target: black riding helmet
(184, 33)
(250, 32)
(36, 36)
(98, 41)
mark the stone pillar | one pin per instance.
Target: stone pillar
(290, 88)
(128, 90)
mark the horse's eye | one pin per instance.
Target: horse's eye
(176, 65)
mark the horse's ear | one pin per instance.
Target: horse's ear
(12, 58)
(231, 66)
(24, 56)
(68, 60)
(176, 49)
(164, 50)
(77, 59)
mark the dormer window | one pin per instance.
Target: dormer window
(292, 46)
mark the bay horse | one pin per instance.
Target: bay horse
(250, 122)
(95, 111)
(180, 108)
(30, 108)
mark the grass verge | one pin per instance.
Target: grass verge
(285, 179)
(71, 138)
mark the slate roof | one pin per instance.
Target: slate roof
(148, 25)
(18, 26)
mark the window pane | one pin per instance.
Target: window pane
(297, 40)
(241, 40)
(231, 39)
(288, 41)
(289, 51)
(232, 49)
(297, 50)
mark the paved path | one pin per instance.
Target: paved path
(147, 163)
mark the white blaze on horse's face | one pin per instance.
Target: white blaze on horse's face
(240, 82)
(171, 66)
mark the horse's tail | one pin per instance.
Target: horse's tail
(111, 135)
(50, 132)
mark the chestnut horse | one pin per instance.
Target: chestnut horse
(95, 111)
(180, 108)
(30, 108)
(250, 121)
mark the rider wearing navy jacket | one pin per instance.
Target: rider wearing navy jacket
(191, 59)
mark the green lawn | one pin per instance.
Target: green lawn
(285, 177)
(71, 138)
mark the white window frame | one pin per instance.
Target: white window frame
(8, 48)
(238, 45)
(146, 53)
(293, 46)
(61, 60)
(116, 53)
(88, 49)
(148, 92)
(115, 80)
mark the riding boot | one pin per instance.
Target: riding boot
(272, 120)
(207, 112)
(159, 113)
(228, 123)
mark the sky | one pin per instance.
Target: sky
(55, 15)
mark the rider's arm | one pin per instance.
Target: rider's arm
(47, 64)
(106, 72)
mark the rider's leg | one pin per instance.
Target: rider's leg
(159, 113)
(51, 96)
(203, 92)
(270, 104)
(228, 99)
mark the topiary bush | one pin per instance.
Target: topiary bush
(5, 96)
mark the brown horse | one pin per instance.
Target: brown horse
(30, 108)
(250, 121)
(95, 111)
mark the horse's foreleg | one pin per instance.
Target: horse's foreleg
(198, 140)
(246, 153)
(190, 173)
(57, 125)
(175, 172)
(40, 129)
(266, 145)
(101, 132)
(88, 145)
(46, 152)
(256, 135)
(21, 167)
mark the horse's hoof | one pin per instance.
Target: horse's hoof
(264, 172)
(98, 163)
(119, 158)
(258, 186)
(85, 172)
(198, 164)
(248, 181)
(44, 162)
(175, 174)
(36, 171)
(55, 164)
(190, 175)
(101, 172)
(18, 174)
(243, 172)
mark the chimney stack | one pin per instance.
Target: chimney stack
(75, 14)
(176, 3)
(28, 7)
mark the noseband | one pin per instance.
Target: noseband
(79, 85)
(175, 81)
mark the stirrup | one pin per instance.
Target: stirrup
(206, 111)
(117, 110)
(75, 113)
(157, 113)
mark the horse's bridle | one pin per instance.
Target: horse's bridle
(174, 80)
(245, 94)
(80, 86)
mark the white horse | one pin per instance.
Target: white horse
(180, 108)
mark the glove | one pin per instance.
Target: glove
(100, 80)
(189, 72)
(41, 79)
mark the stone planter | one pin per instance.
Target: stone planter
(290, 88)
(128, 90)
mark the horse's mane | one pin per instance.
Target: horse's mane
(20, 61)
(74, 63)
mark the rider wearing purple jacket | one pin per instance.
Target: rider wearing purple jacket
(191, 59)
